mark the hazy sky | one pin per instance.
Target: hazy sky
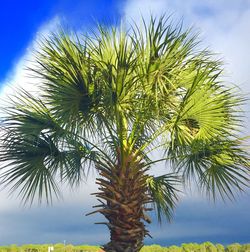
(225, 28)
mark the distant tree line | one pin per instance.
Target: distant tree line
(185, 247)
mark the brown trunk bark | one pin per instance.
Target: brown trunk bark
(123, 195)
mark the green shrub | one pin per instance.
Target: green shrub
(185, 247)
(155, 248)
(174, 248)
(235, 247)
(220, 247)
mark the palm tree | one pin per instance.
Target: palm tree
(110, 99)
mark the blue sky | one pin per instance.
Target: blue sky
(20, 21)
(224, 27)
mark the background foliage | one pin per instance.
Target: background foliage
(185, 247)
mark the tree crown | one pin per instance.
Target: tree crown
(116, 95)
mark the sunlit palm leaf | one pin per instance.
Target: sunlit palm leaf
(67, 79)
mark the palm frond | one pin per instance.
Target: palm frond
(219, 167)
(164, 193)
(37, 152)
(67, 79)
(27, 165)
(30, 115)
(206, 111)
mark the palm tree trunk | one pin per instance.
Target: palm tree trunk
(123, 195)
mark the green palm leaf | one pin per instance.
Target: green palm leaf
(216, 166)
(40, 152)
(164, 193)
